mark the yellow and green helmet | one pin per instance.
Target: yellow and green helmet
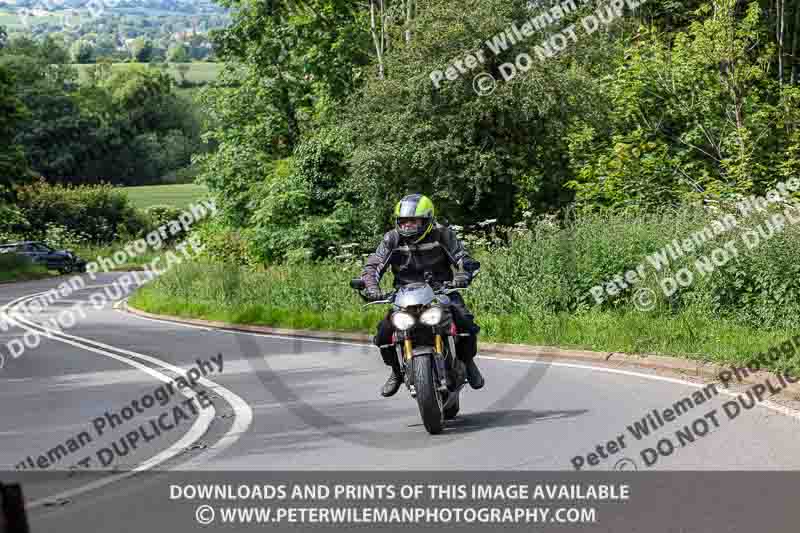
(414, 217)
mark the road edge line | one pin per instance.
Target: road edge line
(704, 371)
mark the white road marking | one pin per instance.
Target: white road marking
(778, 408)
(788, 411)
(243, 412)
(192, 326)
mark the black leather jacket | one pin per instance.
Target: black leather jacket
(437, 253)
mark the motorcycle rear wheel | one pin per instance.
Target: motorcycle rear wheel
(427, 397)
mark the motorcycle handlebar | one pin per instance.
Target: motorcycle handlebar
(444, 287)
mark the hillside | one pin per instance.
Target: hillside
(118, 29)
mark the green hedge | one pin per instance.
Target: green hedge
(100, 212)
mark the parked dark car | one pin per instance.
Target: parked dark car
(65, 261)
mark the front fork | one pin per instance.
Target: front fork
(438, 356)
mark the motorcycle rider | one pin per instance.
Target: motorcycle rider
(418, 244)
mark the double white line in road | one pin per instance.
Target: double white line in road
(243, 412)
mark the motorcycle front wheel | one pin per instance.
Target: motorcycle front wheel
(428, 400)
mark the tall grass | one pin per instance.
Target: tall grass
(536, 291)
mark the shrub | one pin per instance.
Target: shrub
(12, 220)
(6, 237)
(294, 217)
(100, 212)
(162, 214)
(226, 245)
(61, 237)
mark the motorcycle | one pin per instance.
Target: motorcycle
(425, 338)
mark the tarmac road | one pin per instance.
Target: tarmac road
(296, 404)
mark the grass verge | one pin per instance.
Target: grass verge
(16, 268)
(318, 297)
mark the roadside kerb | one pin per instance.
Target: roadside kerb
(685, 368)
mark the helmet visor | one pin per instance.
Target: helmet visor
(411, 225)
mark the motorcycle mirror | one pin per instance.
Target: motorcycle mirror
(357, 284)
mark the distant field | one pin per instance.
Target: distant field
(174, 195)
(37, 14)
(8, 19)
(13, 21)
(198, 72)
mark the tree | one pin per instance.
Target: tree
(284, 68)
(695, 117)
(182, 68)
(177, 53)
(81, 52)
(490, 156)
(100, 71)
(291, 61)
(142, 50)
(13, 167)
(105, 47)
(125, 126)
(53, 51)
(377, 29)
(3, 37)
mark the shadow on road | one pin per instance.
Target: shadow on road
(471, 422)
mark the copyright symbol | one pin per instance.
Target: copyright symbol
(484, 84)
(644, 299)
(71, 20)
(625, 464)
(204, 515)
(25, 15)
(96, 8)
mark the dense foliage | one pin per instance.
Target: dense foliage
(13, 167)
(327, 115)
(126, 126)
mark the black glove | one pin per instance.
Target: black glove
(373, 294)
(461, 280)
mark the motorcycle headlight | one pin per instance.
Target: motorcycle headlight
(402, 321)
(432, 316)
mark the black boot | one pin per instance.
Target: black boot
(392, 384)
(474, 375)
(389, 356)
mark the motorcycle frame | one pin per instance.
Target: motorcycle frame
(405, 349)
